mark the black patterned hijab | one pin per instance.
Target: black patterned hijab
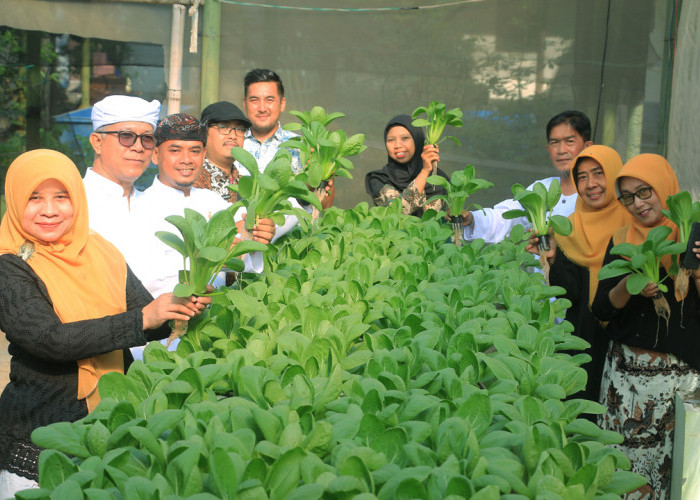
(400, 175)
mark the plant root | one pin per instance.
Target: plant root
(663, 310)
(681, 285)
(179, 329)
(456, 222)
(321, 194)
(545, 266)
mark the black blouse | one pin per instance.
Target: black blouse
(638, 325)
(43, 384)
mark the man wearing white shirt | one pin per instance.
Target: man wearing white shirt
(179, 155)
(568, 133)
(123, 142)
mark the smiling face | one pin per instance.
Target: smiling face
(563, 145)
(49, 212)
(399, 144)
(121, 164)
(648, 211)
(591, 183)
(179, 163)
(219, 144)
(263, 106)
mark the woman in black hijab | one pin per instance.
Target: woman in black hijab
(409, 165)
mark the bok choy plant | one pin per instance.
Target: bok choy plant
(459, 188)
(644, 263)
(683, 212)
(206, 247)
(323, 152)
(438, 117)
(537, 208)
(265, 195)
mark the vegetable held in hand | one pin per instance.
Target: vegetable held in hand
(683, 212)
(538, 205)
(459, 188)
(438, 117)
(206, 247)
(266, 195)
(644, 262)
(323, 153)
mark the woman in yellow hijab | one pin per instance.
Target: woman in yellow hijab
(69, 306)
(650, 360)
(576, 259)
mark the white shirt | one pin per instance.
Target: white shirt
(490, 225)
(111, 214)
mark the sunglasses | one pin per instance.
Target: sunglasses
(128, 139)
(628, 198)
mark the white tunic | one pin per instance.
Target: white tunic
(490, 225)
(111, 214)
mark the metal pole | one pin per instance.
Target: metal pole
(211, 48)
(175, 71)
(85, 72)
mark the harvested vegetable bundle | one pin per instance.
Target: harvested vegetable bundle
(537, 208)
(644, 262)
(438, 117)
(323, 152)
(265, 195)
(461, 186)
(206, 247)
(683, 212)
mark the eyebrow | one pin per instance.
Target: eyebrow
(562, 139)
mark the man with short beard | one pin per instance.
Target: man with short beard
(226, 125)
(568, 133)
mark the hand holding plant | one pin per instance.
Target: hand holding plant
(644, 263)
(462, 185)
(438, 117)
(683, 212)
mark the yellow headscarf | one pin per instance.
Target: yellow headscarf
(655, 171)
(593, 227)
(84, 274)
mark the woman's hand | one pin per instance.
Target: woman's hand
(430, 154)
(168, 307)
(650, 291)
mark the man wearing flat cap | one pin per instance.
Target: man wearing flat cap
(226, 125)
(179, 154)
(123, 142)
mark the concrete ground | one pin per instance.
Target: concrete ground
(4, 362)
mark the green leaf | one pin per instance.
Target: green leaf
(184, 290)
(173, 241)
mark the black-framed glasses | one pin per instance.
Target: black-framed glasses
(128, 139)
(226, 129)
(642, 193)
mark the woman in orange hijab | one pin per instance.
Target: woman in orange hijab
(69, 306)
(576, 259)
(650, 360)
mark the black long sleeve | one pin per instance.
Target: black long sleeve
(43, 369)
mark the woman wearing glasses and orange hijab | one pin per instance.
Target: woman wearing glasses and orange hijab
(651, 359)
(69, 306)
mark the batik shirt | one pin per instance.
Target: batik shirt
(264, 152)
(215, 179)
(412, 201)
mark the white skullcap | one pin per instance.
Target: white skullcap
(124, 108)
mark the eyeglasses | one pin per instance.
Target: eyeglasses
(227, 129)
(642, 193)
(128, 139)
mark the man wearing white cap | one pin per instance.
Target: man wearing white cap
(123, 142)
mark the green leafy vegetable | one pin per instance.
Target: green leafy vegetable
(265, 195)
(537, 208)
(460, 187)
(683, 212)
(438, 117)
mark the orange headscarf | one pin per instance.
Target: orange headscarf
(593, 227)
(84, 274)
(655, 171)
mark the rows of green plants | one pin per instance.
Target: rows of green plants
(372, 359)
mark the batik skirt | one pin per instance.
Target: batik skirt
(638, 388)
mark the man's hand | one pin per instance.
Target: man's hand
(264, 231)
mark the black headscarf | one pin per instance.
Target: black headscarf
(400, 175)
